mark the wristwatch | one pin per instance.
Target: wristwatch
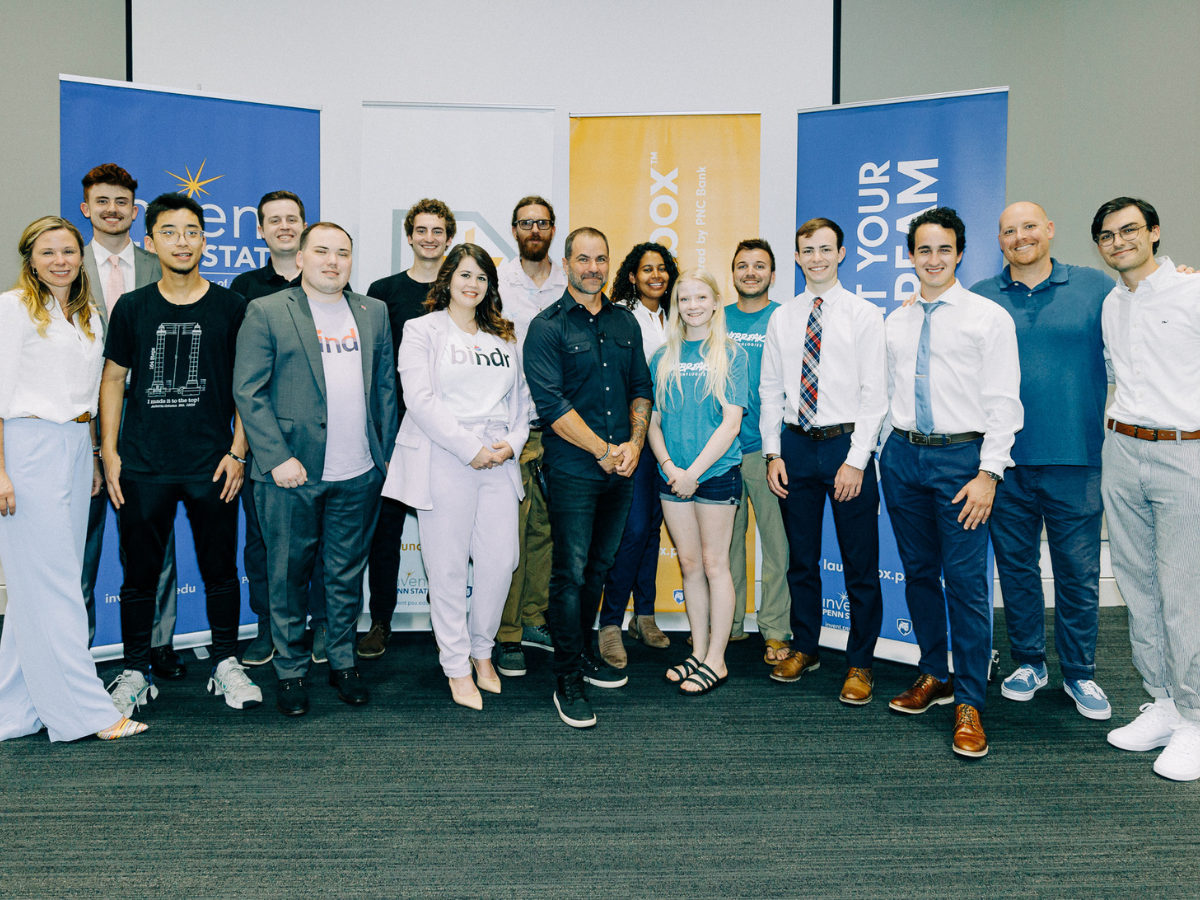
(771, 456)
(992, 475)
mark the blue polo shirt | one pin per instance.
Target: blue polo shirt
(750, 330)
(1064, 383)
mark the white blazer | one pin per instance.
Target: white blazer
(428, 421)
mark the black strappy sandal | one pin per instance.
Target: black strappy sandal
(684, 670)
(706, 678)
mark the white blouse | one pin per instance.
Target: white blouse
(56, 377)
(654, 332)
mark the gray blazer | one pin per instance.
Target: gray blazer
(279, 382)
(146, 270)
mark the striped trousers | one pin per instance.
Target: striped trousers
(1151, 495)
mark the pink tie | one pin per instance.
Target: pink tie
(116, 283)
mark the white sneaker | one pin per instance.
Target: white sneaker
(131, 690)
(1181, 760)
(229, 679)
(1153, 728)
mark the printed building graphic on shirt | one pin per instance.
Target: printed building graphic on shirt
(176, 349)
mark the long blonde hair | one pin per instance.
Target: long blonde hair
(715, 350)
(36, 296)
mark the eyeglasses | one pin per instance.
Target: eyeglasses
(530, 224)
(1128, 233)
(171, 236)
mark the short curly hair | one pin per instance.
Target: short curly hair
(625, 293)
(944, 217)
(434, 208)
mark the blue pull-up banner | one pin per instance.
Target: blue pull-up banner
(223, 153)
(871, 168)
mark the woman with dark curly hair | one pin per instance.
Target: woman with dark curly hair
(643, 284)
(455, 460)
(51, 354)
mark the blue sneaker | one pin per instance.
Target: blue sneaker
(1090, 700)
(1022, 684)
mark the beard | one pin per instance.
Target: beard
(533, 254)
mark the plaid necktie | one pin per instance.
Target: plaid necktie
(807, 410)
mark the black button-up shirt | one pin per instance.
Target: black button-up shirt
(261, 282)
(591, 364)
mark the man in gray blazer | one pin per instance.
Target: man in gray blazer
(315, 383)
(116, 265)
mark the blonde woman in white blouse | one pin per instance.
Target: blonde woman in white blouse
(455, 460)
(51, 355)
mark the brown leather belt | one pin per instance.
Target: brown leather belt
(822, 433)
(938, 440)
(86, 417)
(1152, 434)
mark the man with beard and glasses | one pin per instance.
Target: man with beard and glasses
(178, 439)
(115, 266)
(746, 321)
(429, 228)
(529, 282)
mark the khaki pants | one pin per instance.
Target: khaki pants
(774, 604)
(529, 594)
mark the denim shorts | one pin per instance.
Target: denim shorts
(721, 490)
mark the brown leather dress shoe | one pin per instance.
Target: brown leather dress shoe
(856, 689)
(612, 649)
(794, 666)
(926, 691)
(969, 739)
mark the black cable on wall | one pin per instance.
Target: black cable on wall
(837, 51)
(129, 41)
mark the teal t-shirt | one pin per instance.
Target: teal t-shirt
(750, 330)
(690, 418)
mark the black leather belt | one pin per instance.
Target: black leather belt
(822, 433)
(938, 440)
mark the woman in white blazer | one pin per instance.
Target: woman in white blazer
(455, 460)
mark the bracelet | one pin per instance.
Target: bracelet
(607, 450)
(95, 451)
(231, 455)
(664, 462)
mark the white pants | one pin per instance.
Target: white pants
(474, 517)
(47, 675)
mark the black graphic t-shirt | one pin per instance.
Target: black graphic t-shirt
(178, 420)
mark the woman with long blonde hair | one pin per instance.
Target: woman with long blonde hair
(701, 386)
(51, 355)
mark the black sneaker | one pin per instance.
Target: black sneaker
(600, 674)
(573, 707)
(510, 659)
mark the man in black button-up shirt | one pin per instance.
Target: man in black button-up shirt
(589, 381)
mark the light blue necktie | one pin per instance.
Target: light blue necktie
(924, 405)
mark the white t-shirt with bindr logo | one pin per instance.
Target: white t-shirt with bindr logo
(347, 452)
(476, 372)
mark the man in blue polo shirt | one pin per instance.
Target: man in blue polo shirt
(1056, 481)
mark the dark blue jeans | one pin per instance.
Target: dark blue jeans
(919, 484)
(1067, 500)
(811, 467)
(635, 568)
(587, 519)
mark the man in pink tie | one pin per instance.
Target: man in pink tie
(115, 265)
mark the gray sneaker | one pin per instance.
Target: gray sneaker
(131, 690)
(261, 650)
(510, 659)
(537, 636)
(318, 647)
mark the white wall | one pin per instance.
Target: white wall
(768, 56)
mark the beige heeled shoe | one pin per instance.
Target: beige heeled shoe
(491, 685)
(471, 699)
(124, 728)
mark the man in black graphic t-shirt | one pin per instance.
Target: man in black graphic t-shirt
(181, 440)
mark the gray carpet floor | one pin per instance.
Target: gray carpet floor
(760, 790)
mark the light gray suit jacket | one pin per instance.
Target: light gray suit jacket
(428, 421)
(279, 382)
(146, 270)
